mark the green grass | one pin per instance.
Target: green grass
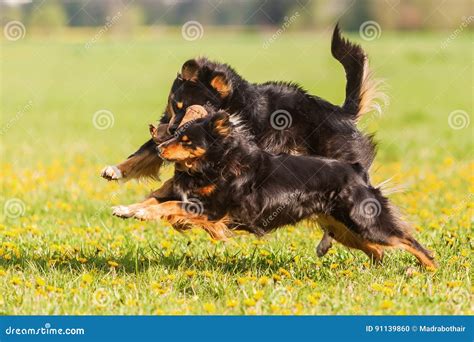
(66, 254)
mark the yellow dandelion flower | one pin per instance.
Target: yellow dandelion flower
(312, 299)
(2, 273)
(242, 280)
(263, 281)
(258, 295)
(249, 302)
(190, 273)
(166, 244)
(209, 307)
(276, 277)
(40, 281)
(452, 284)
(376, 287)
(112, 263)
(87, 278)
(334, 266)
(231, 303)
(284, 272)
(16, 281)
(386, 304)
(82, 260)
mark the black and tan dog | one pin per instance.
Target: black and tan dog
(280, 117)
(224, 181)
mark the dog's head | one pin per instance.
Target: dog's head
(197, 139)
(199, 82)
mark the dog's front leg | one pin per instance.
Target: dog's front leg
(180, 218)
(145, 162)
(163, 194)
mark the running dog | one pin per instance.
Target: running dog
(223, 181)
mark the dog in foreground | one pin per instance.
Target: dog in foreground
(223, 181)
(281, 117)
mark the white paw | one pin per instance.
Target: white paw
(111, 173)
(122, 211)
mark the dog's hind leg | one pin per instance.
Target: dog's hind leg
(374, 251)
(424, 256)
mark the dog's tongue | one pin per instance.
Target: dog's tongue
(192, 113)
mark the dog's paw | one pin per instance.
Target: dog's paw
(111, 173)
(122, 211)
(323, 248)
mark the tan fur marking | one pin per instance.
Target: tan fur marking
(422, 258)
(175, 214)
(371, 95)
(220, 84)
(144, 164)
(207, 190)
(221, 127)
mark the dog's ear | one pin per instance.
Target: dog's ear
(153, 130)
(221, 84)
(220, 123)
(190, 70)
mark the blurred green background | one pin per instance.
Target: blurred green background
(68, 60)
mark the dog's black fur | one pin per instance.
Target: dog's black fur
(259, 192)
(317, 126)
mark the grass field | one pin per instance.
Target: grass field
(63, 253)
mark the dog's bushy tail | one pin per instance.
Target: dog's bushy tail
(362, 90)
